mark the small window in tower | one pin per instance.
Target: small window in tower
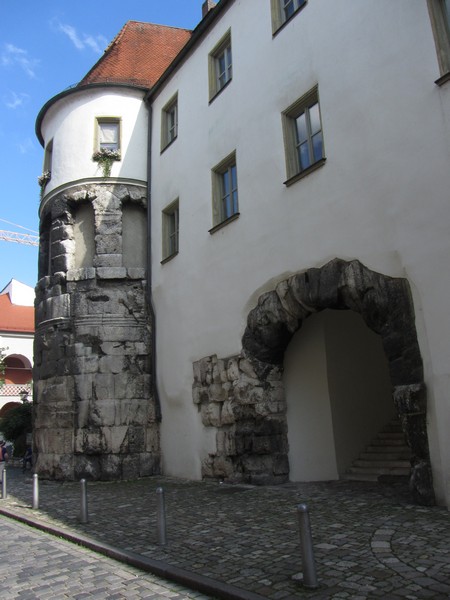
(108, 134)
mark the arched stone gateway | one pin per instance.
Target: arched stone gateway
(243, 396)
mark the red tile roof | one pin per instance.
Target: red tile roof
(15, 318)
(138, 55)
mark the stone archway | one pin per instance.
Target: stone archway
(243, 396)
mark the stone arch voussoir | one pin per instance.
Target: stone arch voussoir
(385, 304)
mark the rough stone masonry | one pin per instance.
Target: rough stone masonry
(95, 414)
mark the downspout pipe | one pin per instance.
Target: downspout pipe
(151, 308)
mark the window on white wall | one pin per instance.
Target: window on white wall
(108, 134)
(170, 230)
(220, 66)
(284, 10)
(48, 157)
(302, 125)
(225, 190)
(169, 122)
(440, 20)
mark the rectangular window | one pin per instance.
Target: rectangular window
(108, 134)
(303, 136)
(170, 225)
(169, 122)
(220, 66)
(283, 10)
(440, 21)
(48, 157)
(225, 190)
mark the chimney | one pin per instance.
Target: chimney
(207, 6)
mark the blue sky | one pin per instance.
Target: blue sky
(45, 47)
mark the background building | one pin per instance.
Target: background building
(298, 245)
(16, 339)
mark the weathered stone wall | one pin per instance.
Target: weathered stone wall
(95, 413)
(243, 397)
(249, 413)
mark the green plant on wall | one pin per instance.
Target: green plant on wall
(105, 159)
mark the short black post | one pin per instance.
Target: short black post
(161, 517)
(83, 502)
(309, 567)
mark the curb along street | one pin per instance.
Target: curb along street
(242, 542)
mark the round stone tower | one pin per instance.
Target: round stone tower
(96, 413)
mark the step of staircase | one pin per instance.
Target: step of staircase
(387, 454)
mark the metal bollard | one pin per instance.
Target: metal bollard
(35, 491)
(84, 503)
(4, 494)
(161, 517)
(309, 567)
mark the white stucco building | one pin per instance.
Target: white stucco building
(295, 160)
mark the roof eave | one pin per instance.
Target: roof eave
(74, 90)
(197, 35)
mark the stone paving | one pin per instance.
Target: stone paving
(35, 565)
(369, 540)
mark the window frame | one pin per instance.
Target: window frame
(99, 121)
(167, 137)
(221, 195)
(170, 214)
(440, 24)
(48, 156)
(290, 116)
(279, 17)
(222, 49)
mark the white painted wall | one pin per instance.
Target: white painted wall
(312, 454)
(382, 196)
(71, 123)
(338, 394)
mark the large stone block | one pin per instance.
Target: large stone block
(115, 439)
(211, 414)
(111, 272)
(111, 364)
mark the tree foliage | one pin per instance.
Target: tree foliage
(17, 422)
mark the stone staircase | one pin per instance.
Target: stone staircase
(386, 455)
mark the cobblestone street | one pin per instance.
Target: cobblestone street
(242, 541)
(38, 565)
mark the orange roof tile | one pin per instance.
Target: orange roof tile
(138, 55)
(15, 318)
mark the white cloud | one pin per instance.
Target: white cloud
(11, 56)
(81, 41)
(97, 44)
(25, 146)
(15, 100)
